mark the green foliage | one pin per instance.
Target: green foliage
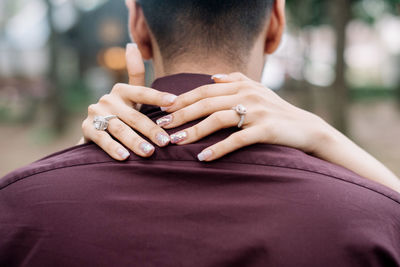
(76, 97)
(366, 93)
(307, 12)
(316, 12)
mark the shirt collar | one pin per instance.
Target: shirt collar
(181, 83)
(176, 84)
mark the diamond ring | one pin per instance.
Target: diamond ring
(241, 111)
(100, 123)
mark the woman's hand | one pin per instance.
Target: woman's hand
(269, 119)
(121, 102)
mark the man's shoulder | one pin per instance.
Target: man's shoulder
(62, 160)
(267, 161)
(296, 164)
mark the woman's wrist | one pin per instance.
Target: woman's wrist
(333, 146)
(324, 139)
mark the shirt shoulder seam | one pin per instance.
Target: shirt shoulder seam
(240, 163)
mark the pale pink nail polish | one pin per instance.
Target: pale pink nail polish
(131, 45)
(219, 76)
(164, 120)
(162, 139)
(146, 148)
(204, 155)
(164, 108)
(169, 99)
(123, 153)
(178, 137)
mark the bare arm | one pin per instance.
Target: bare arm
(338, 149)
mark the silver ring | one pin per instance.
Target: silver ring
(100, 123)
(241, 111)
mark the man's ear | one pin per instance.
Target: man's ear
(139, 29)
(276, 27)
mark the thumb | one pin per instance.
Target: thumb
(135, 65)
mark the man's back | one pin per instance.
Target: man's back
(261, 206)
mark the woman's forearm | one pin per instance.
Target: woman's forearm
(338, 149)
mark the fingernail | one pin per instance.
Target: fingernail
(131, 46)
(164, 120)
(123, 153)
(162, 139)
(164, 108)
(178, 137)
(169, 99)
(219, 76)
(146, 148)
(204, 155)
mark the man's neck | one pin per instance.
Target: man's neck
(212, 65)
(206, 62)
(196, 67)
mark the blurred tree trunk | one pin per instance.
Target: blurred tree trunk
(398, 81)
(340, 15)
(58, 118)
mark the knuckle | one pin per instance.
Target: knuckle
(153, 130)
(180, 116)
(260, 113)
(105, 99)
(92, 109)
(116, 88)
(239, 139)
(132, 122)
(196, 131)
(204, 104)
(133, 118)
(138, 72)
(247, 84)
(140, 94)
(203, 91)
(254, 97)
(217, 119)
(118, 128)
(109, 145)
(243, 85)
(97, 137)
(183, 100)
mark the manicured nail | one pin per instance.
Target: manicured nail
(178, 137)
(131, 46)
(219, 76)
(164, 108)
(123, 153)
(169, 99)
(206, 154)
(146, 148)
(164, 120)
(162, 139)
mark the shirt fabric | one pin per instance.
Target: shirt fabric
(263, 205)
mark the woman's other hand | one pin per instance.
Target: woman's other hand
(122, 101)
(269, 119)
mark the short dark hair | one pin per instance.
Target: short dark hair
(227, 26)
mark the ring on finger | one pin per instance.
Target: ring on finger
(241, 111)
(100, 123)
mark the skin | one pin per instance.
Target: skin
(269, 119)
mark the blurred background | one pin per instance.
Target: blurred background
(338, 58)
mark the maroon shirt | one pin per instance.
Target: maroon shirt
(263, 205)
